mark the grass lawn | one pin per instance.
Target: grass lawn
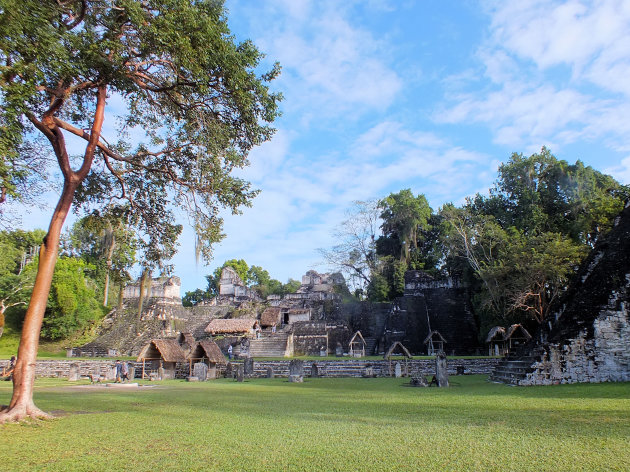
(321, 425)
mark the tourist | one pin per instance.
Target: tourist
(273, 328)
(125, 371)
(230, 351)
(118, 370)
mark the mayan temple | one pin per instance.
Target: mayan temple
(587, 339)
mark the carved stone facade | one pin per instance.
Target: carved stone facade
(168, 288)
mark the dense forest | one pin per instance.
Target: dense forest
(517, 248)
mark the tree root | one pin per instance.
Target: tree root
(22, 412)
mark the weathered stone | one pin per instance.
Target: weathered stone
(110, 374)
(229, 371)
(397, 370)
(270, 372)
(441, 369)
(369, 372)
(248, 367)
(296, 370)
(339, 351)
(200, 370)
(74, 375)
(192, 378)
(314, 370)
(239, 373)
(587, 336)
(419, 381)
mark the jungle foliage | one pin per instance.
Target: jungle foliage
(518, 246)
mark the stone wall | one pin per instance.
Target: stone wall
(327, 368)
(446, 309)
(604, 357)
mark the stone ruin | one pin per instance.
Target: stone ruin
(166, 288)
(587, 338)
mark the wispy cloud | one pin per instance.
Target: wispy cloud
(553, 73)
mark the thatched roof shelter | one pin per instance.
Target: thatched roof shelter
(357, 345)
(517, 331)
(497, 333)
(397, 348)
(434, 336)
(168, 350)
(231, 326)
(208, 349)
(271, 316)
(435, 342)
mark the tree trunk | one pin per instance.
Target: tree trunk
(146, 276)
(110, 253)
(21, 404)
(2, 310)
(121, 295)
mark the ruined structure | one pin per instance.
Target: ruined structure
(232, 290)
(165, 288)
(430, 305)
(587, 338)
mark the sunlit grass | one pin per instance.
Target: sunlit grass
(323, 424)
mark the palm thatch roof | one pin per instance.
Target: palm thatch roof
(239, 325)
(514, 330)
(360, 336)
(168, 350)
(397, 346)
(208, 349)
(432, 336)
(271, 316)
(496, 332)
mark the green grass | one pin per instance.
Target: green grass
(323, 424)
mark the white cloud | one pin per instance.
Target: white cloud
(621, 172)
(328, 63)
(554, 74)
(592, 37)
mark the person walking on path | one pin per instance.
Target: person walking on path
(230, 352)
(118, 370)
(124, 371)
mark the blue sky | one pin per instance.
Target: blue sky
(429, 95)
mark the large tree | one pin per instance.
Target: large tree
(404, 217)
(354, 253)
(190, 107)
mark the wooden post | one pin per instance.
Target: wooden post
(143, 368)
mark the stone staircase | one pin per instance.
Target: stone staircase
(269, 345)
(370, 345)
(515, 367)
